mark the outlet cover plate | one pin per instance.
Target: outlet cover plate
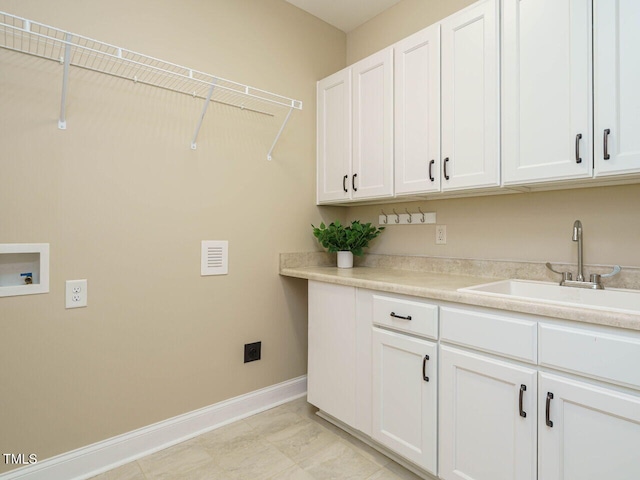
(76, 293)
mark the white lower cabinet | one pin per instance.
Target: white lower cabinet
(339, 356)
(470, 393)
(587, 432)
(331, 383)
(405, 379)
(487, 418)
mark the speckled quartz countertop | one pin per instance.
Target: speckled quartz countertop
(440, 279)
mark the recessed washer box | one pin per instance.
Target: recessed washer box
(24, 268)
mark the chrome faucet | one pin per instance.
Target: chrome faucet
(577, 237)
(594, 279)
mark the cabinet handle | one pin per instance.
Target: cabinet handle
(431, 177)
(344, 183)
(548, 409)
(424, 368)
(606, 144)
(408, 317)
(353, 182)
(578, 137)
(523, 388)
(446, 161)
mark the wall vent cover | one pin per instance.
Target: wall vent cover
(215, 257)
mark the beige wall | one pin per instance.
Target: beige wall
(531, 226)
(124, 202)
(523, 226)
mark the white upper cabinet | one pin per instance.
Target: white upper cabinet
(546, 90)
(501, 93)
(617, 77)
(417, 112)
(355, 131)
(334, 137)
(372, 174)
(470, 98)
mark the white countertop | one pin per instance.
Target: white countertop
(444, 286)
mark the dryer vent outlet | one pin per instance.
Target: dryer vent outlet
(252, 352)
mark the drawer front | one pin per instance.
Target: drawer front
(592, 352)
(495, 333)
(406, 315)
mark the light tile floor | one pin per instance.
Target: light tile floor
(288, 442)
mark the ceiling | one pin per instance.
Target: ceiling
(344, 14)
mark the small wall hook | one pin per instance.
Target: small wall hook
(408, 213)
(420, 210)
(386, 219)
(397, 216)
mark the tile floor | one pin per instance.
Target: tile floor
(288, 442)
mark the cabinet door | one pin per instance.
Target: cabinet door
(331, 380)
(470, 98)
(417, 112)
(546, 85)
(372, 174)
(593, 432)
(334, 137)
(617, 76)
(404, 403)
(482, 433)
(364, 315)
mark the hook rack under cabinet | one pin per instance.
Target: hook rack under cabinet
(409, 218)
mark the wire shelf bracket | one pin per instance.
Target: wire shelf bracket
(62, 121)
(69, 49)
(284, 124)
(204, 111)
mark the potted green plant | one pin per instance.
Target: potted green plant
(346, 241)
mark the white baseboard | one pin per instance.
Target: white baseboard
(94, 459)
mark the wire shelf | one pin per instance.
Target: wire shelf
(33, 38)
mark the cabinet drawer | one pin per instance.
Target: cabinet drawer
(593, 352)
(501, 334)
(420, 318)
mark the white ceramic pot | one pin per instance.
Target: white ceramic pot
(345, 260)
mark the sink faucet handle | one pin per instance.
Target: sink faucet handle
(548, 265)
(566, 276)
(616, 270)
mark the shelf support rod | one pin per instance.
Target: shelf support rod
(62, 121)
(284, 124)
(204, 111)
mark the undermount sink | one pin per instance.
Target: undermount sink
(611, 300)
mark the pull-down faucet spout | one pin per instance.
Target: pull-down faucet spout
(577, 237)
(594, 279)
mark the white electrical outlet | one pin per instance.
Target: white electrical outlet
(76, 294)
(441, 234)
